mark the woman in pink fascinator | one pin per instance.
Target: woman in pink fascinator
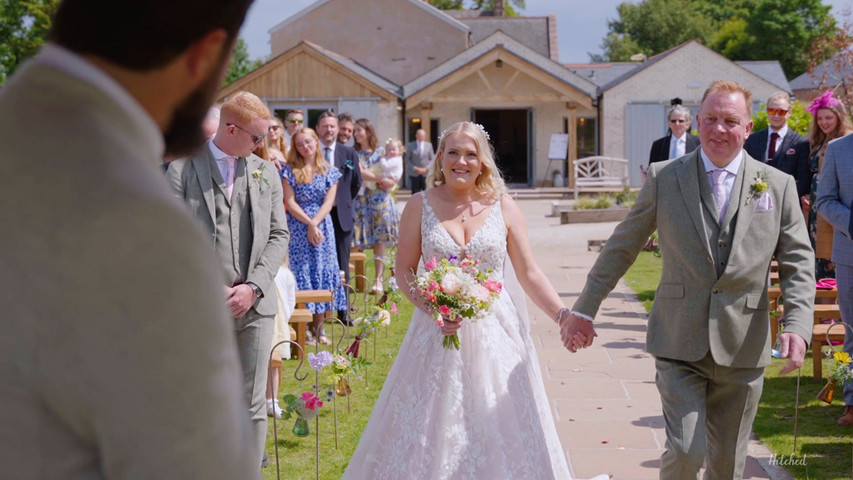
(830, 122)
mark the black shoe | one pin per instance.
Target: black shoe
(265, 462)
(344, 318)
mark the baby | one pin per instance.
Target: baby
(387, 163)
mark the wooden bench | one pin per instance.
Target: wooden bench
(302, 316)
(600, 174)
(823, 312)
(357, 261)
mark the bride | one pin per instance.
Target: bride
(479, 412)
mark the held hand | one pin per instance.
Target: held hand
(386, 183)
(420, 170)
(451, 326)
(576, 332)
(793, 347)
(240, 300)
(315, 236)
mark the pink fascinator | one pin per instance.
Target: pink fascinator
(826, 100)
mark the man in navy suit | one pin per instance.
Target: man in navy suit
(789, 151)
(679, 141)
(343, 215)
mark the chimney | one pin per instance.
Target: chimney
(499, 10)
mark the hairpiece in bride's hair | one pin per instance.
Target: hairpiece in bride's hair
(479, 127)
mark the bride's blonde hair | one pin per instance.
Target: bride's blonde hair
(489, 181)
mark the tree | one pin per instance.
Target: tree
(24, 25)
(782, 30)
(510, 5)
(240, 64)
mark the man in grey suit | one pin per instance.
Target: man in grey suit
(117, 358)
(834, 201)
(721, 217)
(418, 156)
(237, 198)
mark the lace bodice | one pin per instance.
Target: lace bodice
(488, 244)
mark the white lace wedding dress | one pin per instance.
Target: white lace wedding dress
(477, 413)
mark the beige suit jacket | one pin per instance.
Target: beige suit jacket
(192, 181)
(117, 356)
(696, 310)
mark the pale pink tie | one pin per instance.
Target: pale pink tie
(718, 189)
(231, 168)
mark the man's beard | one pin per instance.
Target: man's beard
(184, 135)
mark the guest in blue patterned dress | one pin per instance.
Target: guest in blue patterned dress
(310, 184)
(365, 145)
(377, 214)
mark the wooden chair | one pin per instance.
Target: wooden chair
(357, 261)
(822, 312)
(302, 316)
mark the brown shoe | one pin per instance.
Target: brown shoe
(846, 419)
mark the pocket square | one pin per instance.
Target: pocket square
(765, 203)
(790, 151)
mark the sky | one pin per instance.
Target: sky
(581, 24)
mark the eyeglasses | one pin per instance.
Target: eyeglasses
(295, 120)
(306, 143)
(677, 120)
(777, 111)
(255, 138)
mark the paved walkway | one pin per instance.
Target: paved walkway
(604, 398)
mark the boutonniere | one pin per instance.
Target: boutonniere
(348, 164)
(258, 175)
(758, 186)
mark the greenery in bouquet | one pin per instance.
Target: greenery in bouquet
(307, 406)
(455, 288)
(345, 365)
(840, 369)
(366, 325)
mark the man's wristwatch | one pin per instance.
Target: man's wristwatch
(256, 289)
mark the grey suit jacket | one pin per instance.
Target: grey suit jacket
(835, 196)
(191, 179)
(413, 157)
(112, 304)
(696, 310)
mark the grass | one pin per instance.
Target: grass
(822, 447)
(297, 455)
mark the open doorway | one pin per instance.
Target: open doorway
(510, 134)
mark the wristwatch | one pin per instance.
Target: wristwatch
(258, 292)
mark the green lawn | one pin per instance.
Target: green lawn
(823, 447)
(297, 455)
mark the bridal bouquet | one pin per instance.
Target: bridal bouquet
(456, 288)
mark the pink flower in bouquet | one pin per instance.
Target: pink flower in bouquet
(433, 285)
(494, 286)
(311, 401)
(439, 321)
(431, 264)
(444, 310)
(482, 293)
(450, 284)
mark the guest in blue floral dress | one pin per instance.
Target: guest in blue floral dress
(310, 184)
(376, 212)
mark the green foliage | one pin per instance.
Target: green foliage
(625, 198)
(510, 6)
(800, 120)
(24, 25)
(240, 64)
(783, 30)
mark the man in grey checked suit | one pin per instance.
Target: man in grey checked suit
(834, 201)
(709, 325)
(418, 157)
(237, 198)
(117, 357)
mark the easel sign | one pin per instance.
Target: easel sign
(558, 150)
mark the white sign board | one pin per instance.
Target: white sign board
(559, 146)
